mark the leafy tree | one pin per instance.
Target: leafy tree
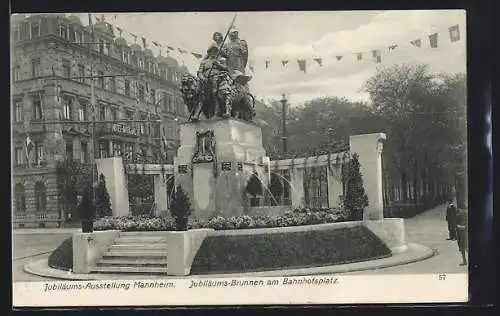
(102, 200)
(355, 199)
(180, 208)
(276, 188)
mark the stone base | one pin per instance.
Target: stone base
(218, 186)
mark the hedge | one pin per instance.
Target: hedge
(251, 253)
(297, 217)
(62, 257)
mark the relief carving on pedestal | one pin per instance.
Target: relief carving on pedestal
(205, 147)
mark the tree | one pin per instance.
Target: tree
(254, 188)
(180, 208)
(102, 200)
(355, 199)
(276, 188)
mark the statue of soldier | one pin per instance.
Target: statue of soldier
(208, 72)
(236, 53)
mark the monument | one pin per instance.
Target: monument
(220, 145)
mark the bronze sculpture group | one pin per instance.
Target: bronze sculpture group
(220, 88)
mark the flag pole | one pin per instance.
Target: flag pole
(218, 54)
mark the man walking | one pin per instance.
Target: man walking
(451, 218)
(461, 235)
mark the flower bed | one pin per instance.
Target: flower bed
(296, 217)
(287, 250)
(62, 257)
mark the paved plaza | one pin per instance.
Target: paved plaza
(428, 229)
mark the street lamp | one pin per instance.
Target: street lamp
(283, 123)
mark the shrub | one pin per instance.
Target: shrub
(355, 199)
(62, 257)
(102, 201)
(254, 185)
(180, 208)
(245, 253)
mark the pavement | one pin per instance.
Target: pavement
(429, 252)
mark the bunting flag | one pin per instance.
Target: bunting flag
(144, 43)
(267, 63)
(156, 44)
(454, 33)
(393, 47)
(376, 56)
(359, 56)
(339, 57)
(319, 61)
(417, 43)
(433, 39)
(284, 63)
(170, 48)
(180, 50)
(302, 65)
(97, 18)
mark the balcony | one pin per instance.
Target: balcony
(119, 129)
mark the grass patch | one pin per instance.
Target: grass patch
(251, 253)
(62, 257)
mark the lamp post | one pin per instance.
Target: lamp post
(283, 123)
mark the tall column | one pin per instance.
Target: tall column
(369, 148)
(116, 184)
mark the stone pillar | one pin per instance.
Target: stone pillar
(297, 181)
(116, 183)
(369, 148)
(160, 188)
(334, 185)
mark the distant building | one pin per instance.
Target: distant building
(52, 46)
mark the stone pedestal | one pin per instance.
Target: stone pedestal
(214, 162)
(369, 148)
(116, 183)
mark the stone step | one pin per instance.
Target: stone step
(136, 253)
(137, 270)
(131, 246)
(132, 262)
(140, 239)
(143, 234)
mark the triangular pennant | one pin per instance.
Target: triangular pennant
(376, 56)
(339, 57)
(302, 65)
(454, 33)
(319, 61)
(284, 63)
(267, 63)
(120, 31)
(180, 50)
(433, 39)
(170, 48)
(156, 43)
(359, 56)
(417, 43)
(393, 47)
(144, 45)
(197, 55)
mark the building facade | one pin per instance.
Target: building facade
(52, 57)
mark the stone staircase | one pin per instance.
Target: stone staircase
(135, 253)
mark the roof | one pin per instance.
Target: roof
(120, 41)
(169, 61)
(74, 19)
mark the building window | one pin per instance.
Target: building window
(81, 73)
(36, 68)
(143, 117)
(39, 152)
(20, 153)
(117, 150)
(129, 114)
(125, 57)
(19, 115)
(20, 196)
(166, 73)
(37, 106)
(100, 79)
(63, 32)
(102, 112)
(35, 29)
(112, 84)
(140, 92)
(127, 87)
(66, 68)
(82, 112)
(152, 96)
(129, 151)
(17, 72)
(69, 150)
(113, 113)
(84, 152)
(40, 197)
(24, 31)
(15, 34)
(67, 110)
(140, 62)
(103, 150)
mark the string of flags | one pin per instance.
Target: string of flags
(376, 54)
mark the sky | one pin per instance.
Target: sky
(277, 36)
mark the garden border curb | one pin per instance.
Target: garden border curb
(414, 253)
